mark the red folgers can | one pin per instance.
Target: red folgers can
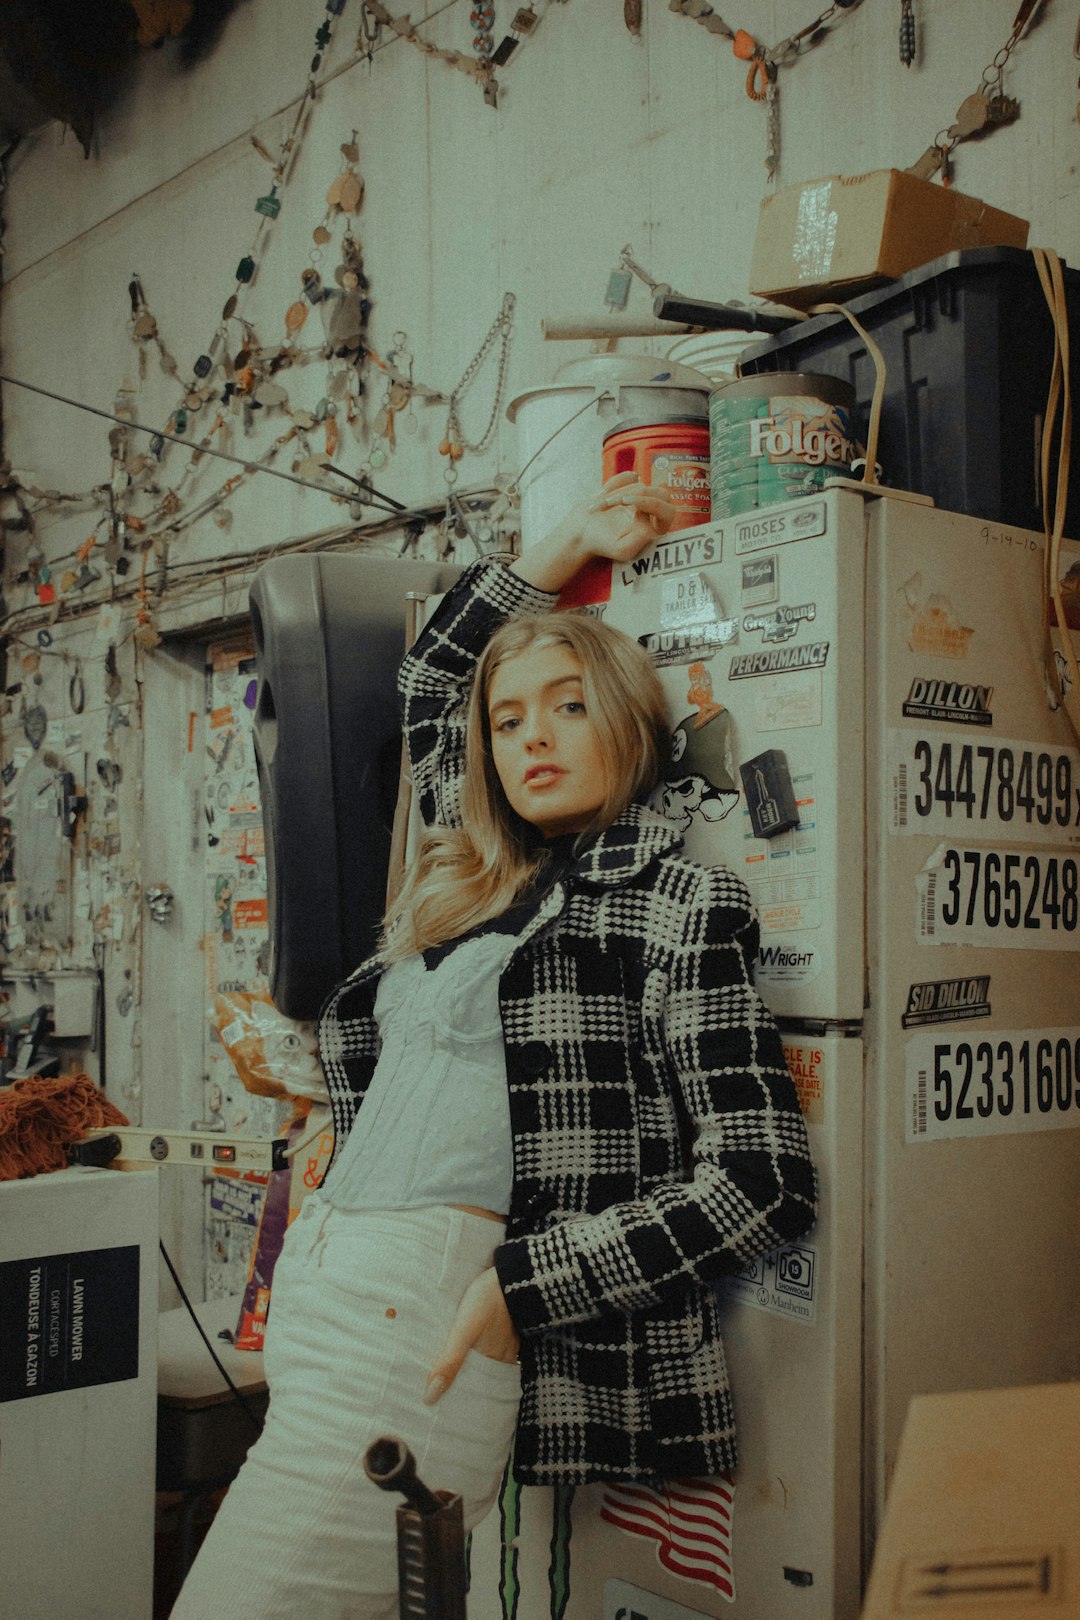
(675, 453)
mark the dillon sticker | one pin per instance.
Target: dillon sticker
(945, 1001)
(949, 700)
(781, 623)
(688, 645)
(807, 655)
(780, 963)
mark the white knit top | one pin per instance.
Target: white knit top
(434, 1126)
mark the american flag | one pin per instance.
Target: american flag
(690, 1521)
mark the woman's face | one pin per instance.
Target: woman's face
(543, 743)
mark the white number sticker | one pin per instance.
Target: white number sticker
(992, 1083)
(1014, 791)
(1013, 899)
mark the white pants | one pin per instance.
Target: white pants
(361, 1307)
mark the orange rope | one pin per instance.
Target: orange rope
(40, 1117)
(757, 79)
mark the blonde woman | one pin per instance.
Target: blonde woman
(562, 1115)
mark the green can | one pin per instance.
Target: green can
(776, 436)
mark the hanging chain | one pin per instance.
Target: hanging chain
(500, 332)
(993, 72)
(794, 43)
(985, 109)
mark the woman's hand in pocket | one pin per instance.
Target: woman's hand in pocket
(483, 1324)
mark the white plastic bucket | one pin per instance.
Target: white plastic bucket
(561, 427)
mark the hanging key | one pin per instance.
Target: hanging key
(972, 116)
(1003, 109)
(928, 165)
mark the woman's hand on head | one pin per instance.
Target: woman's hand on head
(482, 1323)
(619, 522)
(624, 518)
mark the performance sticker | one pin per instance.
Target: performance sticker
(781, 623)
(688, 550)
(761, 532)
(1008, 1081)
(760, 581)
(784, 1281)
(947, 1001)
(949, 700)
(805, 1064)
(807, 655)
(68, 1321)
(687, 646)
(971, 895)
(1016, 792)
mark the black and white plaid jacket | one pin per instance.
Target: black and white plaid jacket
(658, 1142)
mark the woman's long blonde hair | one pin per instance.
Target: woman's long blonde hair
(462, 876)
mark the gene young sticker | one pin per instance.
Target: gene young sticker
(1019, 792)
(1009, 1080)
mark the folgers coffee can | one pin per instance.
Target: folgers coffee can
(675, 452)
(775, 436)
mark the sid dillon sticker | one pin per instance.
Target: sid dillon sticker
(944, 1001)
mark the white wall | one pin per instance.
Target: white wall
(599, 140)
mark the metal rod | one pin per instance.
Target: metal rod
(718, 317)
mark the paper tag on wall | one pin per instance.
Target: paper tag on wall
(108, 626)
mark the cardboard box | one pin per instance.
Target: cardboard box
(982, 1517)
(830, 239)
(78, 1394)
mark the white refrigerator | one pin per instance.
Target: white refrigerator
(864, 732)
